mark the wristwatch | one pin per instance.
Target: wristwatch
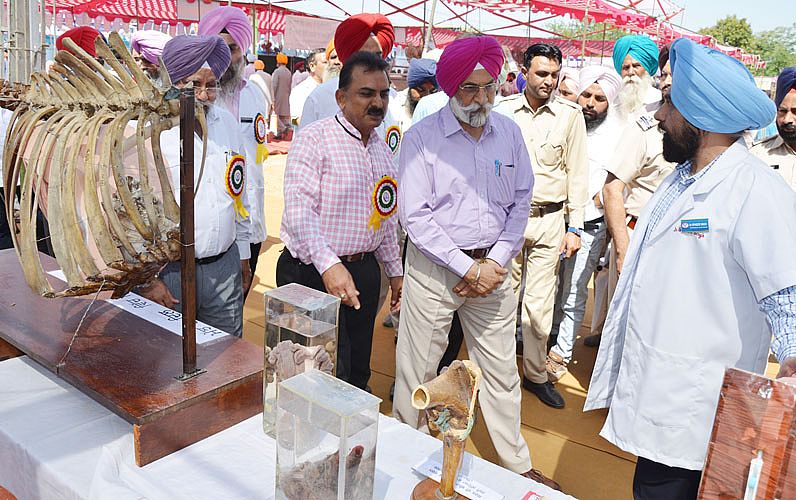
(575, 230)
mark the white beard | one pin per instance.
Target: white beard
(330, 72)
(631, 97)
(231, 80)
(474, 115)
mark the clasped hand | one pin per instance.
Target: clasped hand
(474, 285)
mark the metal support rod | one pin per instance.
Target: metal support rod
(430, 29)
(187, 261)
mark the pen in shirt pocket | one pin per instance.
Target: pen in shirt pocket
(497, 168)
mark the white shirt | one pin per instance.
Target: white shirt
(251, 104)
(321, 103)
(216, 226)
(263, 82)
(686, 307)
(430, 104)
(600, 146)
(401, 102)
(298, 96)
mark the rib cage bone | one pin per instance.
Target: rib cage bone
(110, 207)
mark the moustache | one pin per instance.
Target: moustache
(376, 112)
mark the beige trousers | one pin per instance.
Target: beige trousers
(613, 275)
(488, 324)
(543, 237)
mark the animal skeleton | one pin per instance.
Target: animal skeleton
(111, 226)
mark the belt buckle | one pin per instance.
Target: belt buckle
(536, 211)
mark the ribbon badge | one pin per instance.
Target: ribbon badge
(393, 138)
(385, 201)
(260, 133)
(236, 180)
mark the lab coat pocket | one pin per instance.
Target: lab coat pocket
(668, 386)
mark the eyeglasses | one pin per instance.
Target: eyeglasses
(471, 89)
(207, 90)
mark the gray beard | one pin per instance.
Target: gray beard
(330, 72)
(473, 115)
(230, 80)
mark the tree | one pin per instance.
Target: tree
(777, 47)
(732, 31)
(575, 29)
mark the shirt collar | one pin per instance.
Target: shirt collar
(352, 131)
(684, 169)
(451, 125)
(522, 102)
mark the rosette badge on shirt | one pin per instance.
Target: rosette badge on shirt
(385, 201)
(260, 132)
(235, 178)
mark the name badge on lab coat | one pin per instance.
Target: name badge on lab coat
(694, 226)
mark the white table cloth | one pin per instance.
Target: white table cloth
(56, 442)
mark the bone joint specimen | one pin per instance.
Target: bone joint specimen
(112, 225)
(449, 401)
(287, 359)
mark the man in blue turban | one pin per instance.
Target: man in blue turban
(636, 61)
(779, 150)
(421, 80)
(698, 292)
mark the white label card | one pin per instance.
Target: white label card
(464, 485)
(156, 314)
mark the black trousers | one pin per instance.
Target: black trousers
(42, 229)
(355, 333)
(656, 481)
(455, 339)
(5, 230)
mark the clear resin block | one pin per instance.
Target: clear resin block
(300, 334)
(326, 439)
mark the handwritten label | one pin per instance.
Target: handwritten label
(156, 314)
(464, 485)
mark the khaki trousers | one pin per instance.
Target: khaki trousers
(613, 275)
(488, 324)
(543, 237)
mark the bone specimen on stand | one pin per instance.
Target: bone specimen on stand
(108, 199)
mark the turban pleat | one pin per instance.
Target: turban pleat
(716, 92)
(352, 34)
(460, 58)
(786, 81)
(421, 71)
(610, 83)
(184, 55)
(229, 19)
(639, 47)
(83, 36)
(149, 43)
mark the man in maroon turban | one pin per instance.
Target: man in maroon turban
(359, 33)
(83, 36)
(364, 32)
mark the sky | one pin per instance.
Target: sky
(762, 15)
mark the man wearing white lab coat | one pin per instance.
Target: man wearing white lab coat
(700, 290)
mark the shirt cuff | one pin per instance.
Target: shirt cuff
(393, 269)
(460, 263)
(244, 249)
(576, 219)
(500, 253)
(324, 259)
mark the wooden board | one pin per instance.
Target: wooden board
(129, 365)
(8, 351)
(754, 413)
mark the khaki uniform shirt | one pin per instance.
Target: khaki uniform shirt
(779, 156)
(555, 136)
(639, 163)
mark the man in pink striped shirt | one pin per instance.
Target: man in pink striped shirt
(340, 197)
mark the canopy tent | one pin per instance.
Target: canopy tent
(514, 22)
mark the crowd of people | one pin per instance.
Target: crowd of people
(477, 196)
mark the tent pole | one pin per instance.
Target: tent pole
(430, 29)
(254, 29)
(583, 41)
(602, 48)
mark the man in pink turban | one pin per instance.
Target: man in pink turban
(465, 183)
(147, 47)
(247, 104)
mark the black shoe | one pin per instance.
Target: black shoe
(546, 393)
(593, 340)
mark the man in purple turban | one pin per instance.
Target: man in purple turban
(147, 46)
(247, 104)
(464, 194)
(223, 228)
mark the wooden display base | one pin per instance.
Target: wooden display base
(428, 489)
(129, 365)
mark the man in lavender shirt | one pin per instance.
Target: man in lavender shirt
(465, 182)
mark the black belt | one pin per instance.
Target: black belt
(477, 253)
(594, 224)
(209, 260)
(547, 208)
(355, 257)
